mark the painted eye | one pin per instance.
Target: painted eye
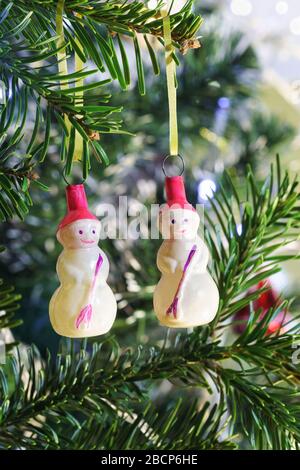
(80, 232)
(185, 220)
(93, 231)
(173, 221)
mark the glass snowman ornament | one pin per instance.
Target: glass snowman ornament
(186, 295)
(83, 305)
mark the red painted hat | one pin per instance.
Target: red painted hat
(175, 192)
(77, 206)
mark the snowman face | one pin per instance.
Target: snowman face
(179, 224)
(83, 233)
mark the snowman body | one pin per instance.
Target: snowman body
(186, 294)
(197, 297)
(83, 305)
(76, 271)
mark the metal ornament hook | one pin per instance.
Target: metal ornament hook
(164, 169)
(83, 180)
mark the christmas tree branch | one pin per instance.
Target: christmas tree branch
(125, 18)
(245, 237)
(267, 413)
(78, 382)
(8, 305)
(88, 118)
(122, 428)
(17, 171)
(29, 55)
(161, 430)
(107, 380)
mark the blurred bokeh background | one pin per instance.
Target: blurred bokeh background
(238, 104)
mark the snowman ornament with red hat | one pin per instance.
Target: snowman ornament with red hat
(186, 295)
(83, 305)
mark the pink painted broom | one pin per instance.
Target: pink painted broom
(173, 307)
(86, 312)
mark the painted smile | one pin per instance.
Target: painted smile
(88, 242)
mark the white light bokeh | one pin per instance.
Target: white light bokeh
(295, 25)
(281, 8)
(239, 229)
(206, 189)
(241, 7)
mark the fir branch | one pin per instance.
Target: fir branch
(93, 110)
(17, 172)
(152, 429)
(102, 381)
(267, 413)
(124, 18)
(8, 305)
(106, 381)
(268, 219)
(89, 114)
(29, 53)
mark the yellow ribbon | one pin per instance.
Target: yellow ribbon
(78, 149)
(61, 55)
(171, 84)
(63, 70)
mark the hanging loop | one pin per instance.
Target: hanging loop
(67, 182)
(169, 163)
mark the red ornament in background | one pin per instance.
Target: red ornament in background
(265, 301)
